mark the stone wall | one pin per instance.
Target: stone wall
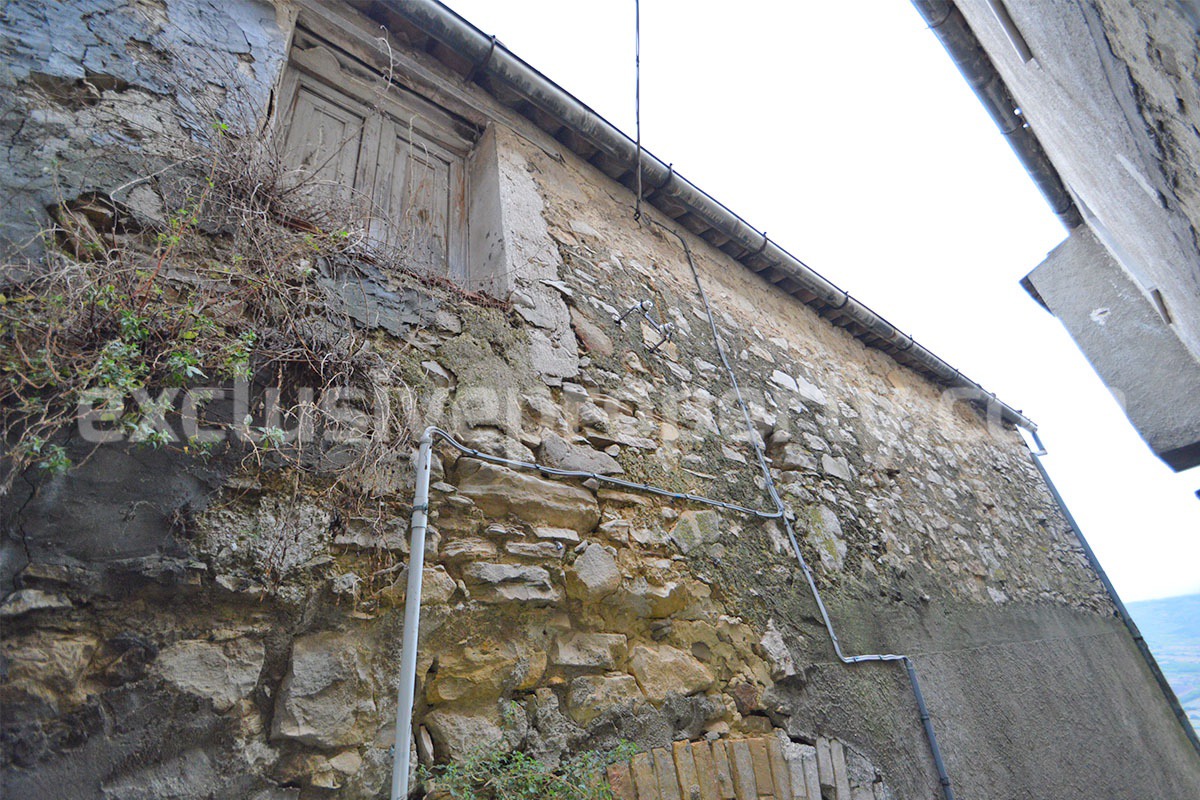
(231, 628)
(96, 94)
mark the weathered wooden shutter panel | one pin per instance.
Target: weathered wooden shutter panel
(421, 196)
(392, 161)
(324, 144)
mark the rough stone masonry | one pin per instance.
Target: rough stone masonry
(230, 627)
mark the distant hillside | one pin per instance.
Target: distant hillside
(1172, 629)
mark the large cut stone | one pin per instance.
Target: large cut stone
(455, 734)
(484, 671)
(825, 533)
(796, 456)
(695, 529)
(837, 467)
(437, 587)
(558, 452)
(224, 672)
(589, 696)
(590, 650)
(778, 654)
(662, 669)
(510, 583)
(499, 491)
(326, 698)
(594, 575)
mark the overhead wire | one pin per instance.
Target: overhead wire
(788, 517)
(637, 101)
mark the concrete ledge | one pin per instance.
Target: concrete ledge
(1129, 344)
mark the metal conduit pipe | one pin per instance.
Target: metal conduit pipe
(788, 517)
(1036, 451)
(498, 63)
(406, 688)
(412, 620)
(412, 607)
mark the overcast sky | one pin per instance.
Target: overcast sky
(844, 130)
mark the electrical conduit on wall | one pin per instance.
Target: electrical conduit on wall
(401, 756)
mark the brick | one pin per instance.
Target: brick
(642, 767)
(620, 778)
(812, 780)
(825, 764)
(685, 769)
(721, 766)
(706, 771)
(664, 768)
(743, 770)
(779, 770)
(761, 763)
(841, 778)
(796, 774)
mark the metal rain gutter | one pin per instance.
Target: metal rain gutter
(951, 28)
(495, 63)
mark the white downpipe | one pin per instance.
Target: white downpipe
(412, 620)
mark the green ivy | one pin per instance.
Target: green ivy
(495, 774)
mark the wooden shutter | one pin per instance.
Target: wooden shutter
(420, 190)
(393, 159)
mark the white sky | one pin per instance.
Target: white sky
(844, 130)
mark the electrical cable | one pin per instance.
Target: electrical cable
(787, 517)
(637, 101)
(624, 484)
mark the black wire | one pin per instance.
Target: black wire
(637, 101)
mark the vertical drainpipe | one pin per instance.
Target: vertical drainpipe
(1036, 451)
(412, 620)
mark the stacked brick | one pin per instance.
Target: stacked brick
(740, 769)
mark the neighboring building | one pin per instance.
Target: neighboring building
(1101, 100)
(377, 196)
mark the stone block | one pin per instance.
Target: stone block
(812, 777)
(508, 583)
(795, 456)
(456, 733)
(780, 771)
(437, 587)
(778, 655)
(825, 533)
(326, 699)
(724, 773)
(223, 672)
(620, 780)
(825, 765)
(538, 551)
(644, 780)
(742, 766)
(589, 696)
(836, 467)
(761, 760)
(468, 548)
(662, 669)
(841, 778)
(594, 575)
(696, 529)
(706, 771)
(558, 452)
(685, 770)
(664, 770)
(594, 651)
(499, 491)
(483, 671)
(559, 534)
